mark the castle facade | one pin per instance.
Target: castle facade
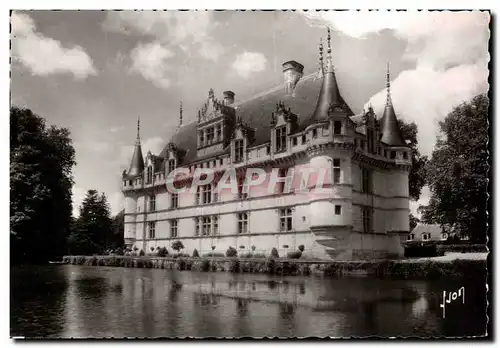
(354, 205)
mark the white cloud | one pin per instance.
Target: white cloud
(155, 145)
(43, 55)
(152, 62)
(78, 194)
(116, 202)
(188, 30)
(248, 63)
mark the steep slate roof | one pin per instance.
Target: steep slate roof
(137, 162)
(433, 229)
(391, 132)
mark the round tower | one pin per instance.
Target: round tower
(130, 184)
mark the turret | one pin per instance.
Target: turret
(329, 95)
(389, 125)
(137, 163)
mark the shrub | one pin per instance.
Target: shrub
(294, 254)
(301, 248)
(212, 254)
(162, 252)
(177, 245)
(195, 253)
(253, 247)
(135, 248)
(213, 247)
(205, 265)
(285, 246)
(242, 247)
(183, 255)
(119, 251)
(274, 253)
(231, 252)
(419, 250)
(141, 252)
(152, 249)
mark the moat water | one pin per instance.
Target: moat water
(77, 301)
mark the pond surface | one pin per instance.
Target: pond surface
(77, 301)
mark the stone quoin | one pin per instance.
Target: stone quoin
(291, 166)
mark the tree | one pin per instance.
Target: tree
(458, 171)
(413, 221)
(92, 226)
(177, 245)
(41, 161)
(419, 163)
(115, 238)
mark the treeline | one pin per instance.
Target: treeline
(41, 223)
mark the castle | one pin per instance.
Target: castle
(359, 210)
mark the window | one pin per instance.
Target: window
(411, 236)
(370, 140)
(210, 135)
(337, 127)
(221, 161)
(197, 225)
(366, 180)
(281, 139)
(130, 182)
(149, 175)
(214, 164)
(219, 133)
(242, 223)
(405, 155)
(152, 203)
(151, 229)
(286, 220)
(238, 150)
(171, 165)
(393, 154)
(338, 210)
(206, 225)
(444, 236)
(202, 139)
(207, 194)
(315, 133)
(215, 225)
(385, 153)
(426, 236)
(215, 197)
(174, 200)
(362, 144)
(294, 141)
(336, 170)
(367, 220)
(304, 139)
(268, 150)
(173, 228)
(242, 188)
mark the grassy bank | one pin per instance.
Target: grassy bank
(399, 269)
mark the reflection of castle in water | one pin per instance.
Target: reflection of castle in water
(155, 303)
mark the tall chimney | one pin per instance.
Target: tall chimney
(228, 97)
(292, 72)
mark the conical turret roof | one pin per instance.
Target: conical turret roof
(389, 125)
(329, 94)
(137, 162)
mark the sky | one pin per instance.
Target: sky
(96, 72)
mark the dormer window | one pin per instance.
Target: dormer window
(171, 165)
(149, 175)
(202, 139)
(315, 133)
(210, 135)
(219, 133)
(238, 151)
(280, 139)
(337, 127)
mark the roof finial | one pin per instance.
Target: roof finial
(180, 115)
(321, 70)
(138, 140)
(388, 85)
(329, 52)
